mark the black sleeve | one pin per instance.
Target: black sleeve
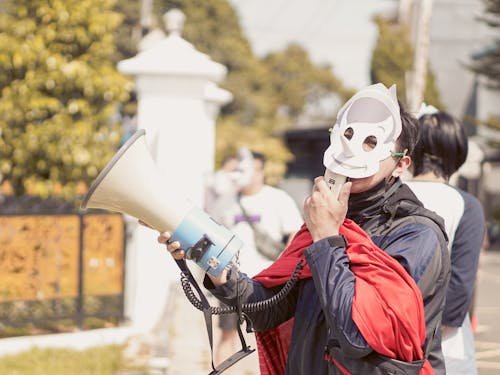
(252, 291)
(464, 257)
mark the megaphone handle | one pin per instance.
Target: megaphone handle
(246, 350)
(206, 305)
(334, 181)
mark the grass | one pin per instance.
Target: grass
(104, 360)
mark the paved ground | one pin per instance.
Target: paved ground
(488, 312)
(188, 349)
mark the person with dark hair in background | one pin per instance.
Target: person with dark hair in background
(370, 297)
(440, 152)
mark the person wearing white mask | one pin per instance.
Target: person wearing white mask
(370, 297)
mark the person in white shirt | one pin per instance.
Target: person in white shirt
(258, 207)
(440, 151)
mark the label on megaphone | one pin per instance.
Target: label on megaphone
(208, 243)
(334, 181)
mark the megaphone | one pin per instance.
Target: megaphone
(334, 181)
(130, 183)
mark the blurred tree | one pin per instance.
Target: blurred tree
(232, 136)
(213, 28)
(262, 88)
(59, 93)
(296, 79)
(392, 61)
(128, 33)
(487, 62)
(127, 37)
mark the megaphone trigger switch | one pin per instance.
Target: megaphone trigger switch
(331, 182)
(199, 248)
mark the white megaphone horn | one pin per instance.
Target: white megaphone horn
(130, 183)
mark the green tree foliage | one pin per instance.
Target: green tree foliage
(231, 136)
(127, 37)
(487, 62)
(295, 79)
(128, 33)
(59, 92)
(213, 28)
(392, 61)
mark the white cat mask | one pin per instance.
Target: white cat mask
(365, 133)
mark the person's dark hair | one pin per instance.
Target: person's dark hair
(442, 147)
(259, 156)
(409, 131)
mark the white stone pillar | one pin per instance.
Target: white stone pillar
(179, 118)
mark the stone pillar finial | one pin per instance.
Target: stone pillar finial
(174, 21)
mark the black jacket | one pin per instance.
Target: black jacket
(321, 305)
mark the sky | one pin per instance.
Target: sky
(338, 32)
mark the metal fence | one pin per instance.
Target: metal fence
(60, 271)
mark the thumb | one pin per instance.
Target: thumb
(344, 194)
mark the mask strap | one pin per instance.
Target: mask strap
(399, 154)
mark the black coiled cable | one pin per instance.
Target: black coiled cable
(246, 307)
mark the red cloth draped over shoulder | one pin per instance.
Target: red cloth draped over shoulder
(387, 305)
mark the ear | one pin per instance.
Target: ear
(403, 164)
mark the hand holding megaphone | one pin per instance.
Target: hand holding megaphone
(324, 211)
(178, 253)
(334, 181)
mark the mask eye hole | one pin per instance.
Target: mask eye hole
(349, 132)
(370, 143)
